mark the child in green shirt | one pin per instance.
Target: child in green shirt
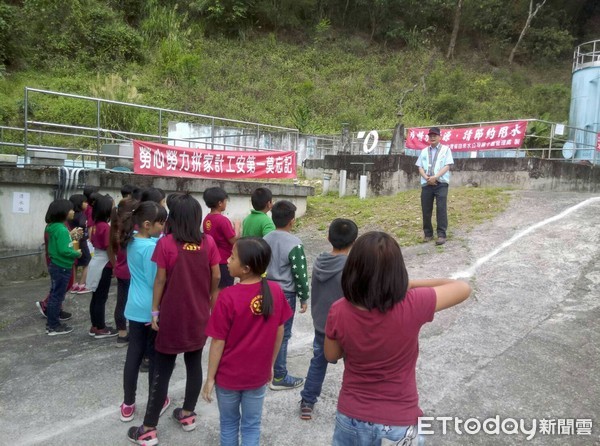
(258, 223)
(62, 256)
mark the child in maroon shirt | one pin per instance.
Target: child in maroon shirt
(219, 228)
(246, 327)
(375, 328)
(100, 269)
(118, 259)
(185, 289)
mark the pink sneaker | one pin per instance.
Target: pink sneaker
(166, 405)
(187, 422)
(137, 435)
(75, 288)
(127, 412)
(83, 290)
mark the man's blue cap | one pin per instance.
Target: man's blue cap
(434, 131)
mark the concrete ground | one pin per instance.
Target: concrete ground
(526, 346)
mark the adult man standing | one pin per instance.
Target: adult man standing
(434, 166)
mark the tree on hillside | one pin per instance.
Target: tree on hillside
(450, 54)
(530, 16)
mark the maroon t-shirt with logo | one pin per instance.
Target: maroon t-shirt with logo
(185, 303)
(221, 230)
(249, 337)
(381, 351)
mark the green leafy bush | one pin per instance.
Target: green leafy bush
(548, 44)
(82, 30)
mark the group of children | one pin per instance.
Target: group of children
(177, 287)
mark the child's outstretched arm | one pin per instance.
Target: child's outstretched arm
(214, 358)
(448, 292)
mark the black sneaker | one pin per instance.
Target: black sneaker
(64, 315)
(41, 307)
(289, 382)
(106, 332)
(60, 330)
(137, 435)
(306, 410)
(122, 341)
(187, 422)
(145, 365)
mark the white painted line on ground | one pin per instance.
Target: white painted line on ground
(469, 272)
(296, 343)
(72, 425)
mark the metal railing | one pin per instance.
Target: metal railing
(587, 55)
(85, 139)
(82, 142)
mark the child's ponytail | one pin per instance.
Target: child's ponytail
(135, 213)
(267, 298)
(126, 224)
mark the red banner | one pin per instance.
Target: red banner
(598, 142)
(490, 137)
(170, 161)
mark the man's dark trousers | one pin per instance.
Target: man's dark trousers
(439, 193)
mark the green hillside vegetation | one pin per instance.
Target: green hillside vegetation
(306, 64)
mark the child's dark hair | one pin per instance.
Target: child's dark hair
(77, 200)
(260, 198)
(255, 253)
(116, 218)
(58, 211)
(172, 199)
(342, 233)
(92, 198)
(171, 203)
(89, 190)
(185, 219)
(153, 194)
(282, 213)
(132, 213)
(213, 195)
(375, 275)
(130, 191)
(102, 209)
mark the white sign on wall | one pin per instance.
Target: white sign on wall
(559, 129)
(372, 134)
(20, 202)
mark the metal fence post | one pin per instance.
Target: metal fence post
(552, 127)
(98, 135)
(212, 134)
(26, 126)
(160, 125)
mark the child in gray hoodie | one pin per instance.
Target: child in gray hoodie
(326, 288)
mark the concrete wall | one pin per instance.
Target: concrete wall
(394, 173)
(23, 232)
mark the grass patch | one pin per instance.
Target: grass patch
(400, 214)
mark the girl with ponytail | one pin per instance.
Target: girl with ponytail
(139, 224)
(246, 328)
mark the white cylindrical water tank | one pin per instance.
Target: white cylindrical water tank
(585, 99)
